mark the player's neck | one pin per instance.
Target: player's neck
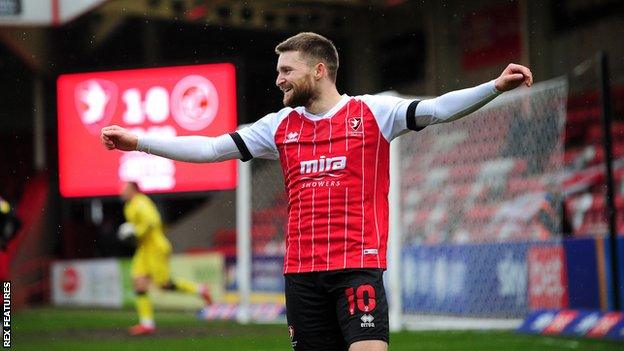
(327, 99)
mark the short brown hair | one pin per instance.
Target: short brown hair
(313, 46)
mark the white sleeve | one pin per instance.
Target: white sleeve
(258, 139)
(390, 113)
(454, 105)
(190, 148)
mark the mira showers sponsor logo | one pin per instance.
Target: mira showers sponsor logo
(324, 166)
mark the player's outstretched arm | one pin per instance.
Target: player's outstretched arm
(185, 148)
(459, 103)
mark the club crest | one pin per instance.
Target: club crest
(355, 123)
(355, 127)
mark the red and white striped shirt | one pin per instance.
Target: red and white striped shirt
(336, 173)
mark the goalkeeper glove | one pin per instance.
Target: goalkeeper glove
(126, 231)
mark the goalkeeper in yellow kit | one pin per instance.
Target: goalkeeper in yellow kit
(150, 262)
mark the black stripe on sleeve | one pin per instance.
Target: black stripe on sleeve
(242, 148)
(410, 116)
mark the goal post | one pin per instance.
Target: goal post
(243, 241)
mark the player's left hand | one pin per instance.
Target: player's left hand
(512, 77)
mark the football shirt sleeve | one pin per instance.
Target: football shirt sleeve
(136, 214)
(396, 116)
(258, 139)
(193, 148)
(454, 105)
(391, 114)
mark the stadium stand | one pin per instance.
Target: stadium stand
(584, 160)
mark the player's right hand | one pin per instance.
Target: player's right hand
(116, 137)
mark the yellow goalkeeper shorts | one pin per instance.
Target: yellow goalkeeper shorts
(151, 263)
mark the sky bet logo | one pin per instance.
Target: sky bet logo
(6, 320)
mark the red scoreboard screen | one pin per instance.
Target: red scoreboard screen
(168, 101)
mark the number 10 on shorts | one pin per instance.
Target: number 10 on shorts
(363, 297)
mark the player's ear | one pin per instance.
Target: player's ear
(320, 70)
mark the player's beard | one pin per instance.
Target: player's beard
(301, 95)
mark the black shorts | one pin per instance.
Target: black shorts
(331, 310)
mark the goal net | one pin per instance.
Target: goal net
(481, 209)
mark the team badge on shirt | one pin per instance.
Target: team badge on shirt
(354, 126)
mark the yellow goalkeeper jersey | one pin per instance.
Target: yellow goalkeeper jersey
(143, 214)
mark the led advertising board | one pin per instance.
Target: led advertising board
(167, 101)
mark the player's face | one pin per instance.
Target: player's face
(295, 77)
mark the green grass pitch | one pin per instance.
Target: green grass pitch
(96, 329)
